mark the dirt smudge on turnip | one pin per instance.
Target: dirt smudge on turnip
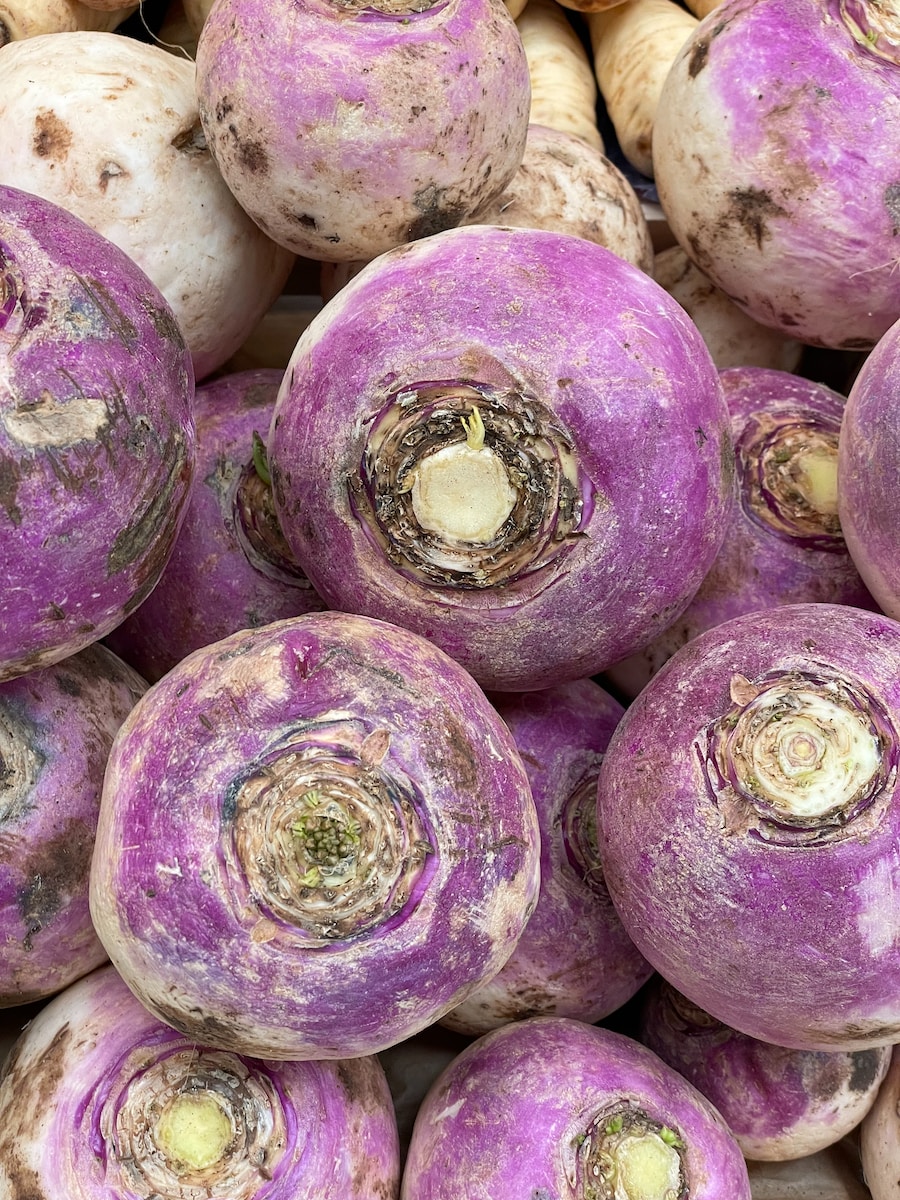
(55, 870)
(52, 137)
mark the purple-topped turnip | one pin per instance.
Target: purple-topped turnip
(551, 1107)
(749, 819)
(96, 433)
(537, 496)
(869, 465)
(573, 958)
(315, 839)
(784, 544)
(780, 1104)
(57, 725)
(230, 567)
(774, 159)
(100, 1099)
(364, 125)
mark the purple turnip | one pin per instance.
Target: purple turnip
(749, 821)
(869, 466)
(99, 1099)
(774, 159)
(230, 567)
(879, 1135)
(56, 728)
(537, 496)
(96, 433)
(573, 958)
(315, 839)
(121, 147)
(364, 126)
(784, 544)
(551, 1107)
(780, 1104)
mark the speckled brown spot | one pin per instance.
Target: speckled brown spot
(752, 208)
(52, 137)
(56, 870)
(698, 57)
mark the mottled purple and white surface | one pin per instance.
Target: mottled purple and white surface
(773, 156)
(611, 452)
(315, 839)
(96, 433)
(98, 1097)
(573, 958)
(749, 819)
(549, 1107)
(230, 567)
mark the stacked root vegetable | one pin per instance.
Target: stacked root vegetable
(450, 622)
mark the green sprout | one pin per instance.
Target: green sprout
(260, 459)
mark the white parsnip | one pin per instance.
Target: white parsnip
(21, 19)
(702, 8)
(633, 46)
(563, 87)
(732, 338)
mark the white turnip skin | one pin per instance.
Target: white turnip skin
(57, 725)
(565, 185)
(780, 1104)
(96, 432)
(749, 818)
(733, 338)
(315, 839)
(449, 455)
(108, 127)
(100, 1099)
(21, 19)
(230, 567)
(550, 1107)
(346, 162)
(879, 1136)
(784, 544)
(573, 959)
(869, 467)
(774, 159)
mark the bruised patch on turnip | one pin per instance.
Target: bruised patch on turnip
(52, 137)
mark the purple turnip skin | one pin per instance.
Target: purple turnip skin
(542, 1109)
(57, 725)
(784, 544)
(99, 1099)
(869, 467)
(774, 159)
(591, 446)
(315, 839)
(879, 1135)
(573, 959)
(96, 433)
(780, 1104)
(230, 567)
(344, 162)
(749, 823)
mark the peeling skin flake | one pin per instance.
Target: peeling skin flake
(51, 424)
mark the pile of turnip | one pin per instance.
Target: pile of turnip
(450, 607)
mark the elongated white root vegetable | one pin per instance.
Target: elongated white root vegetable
(563, 87)
(733, 338)
(633, 46)
(702, 8)
(21, 19)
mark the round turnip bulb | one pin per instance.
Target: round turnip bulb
(339, 162)
(449, 455)
(96, 433)
(315, 839)
(749, 816)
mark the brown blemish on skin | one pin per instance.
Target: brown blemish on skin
(752, 208)
(110, 170)
(698, 56)
(10, 477)
(149, 536)
(448, 752)
(52, 137)
(57, 870)
(191, 141)
(866, 1065)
